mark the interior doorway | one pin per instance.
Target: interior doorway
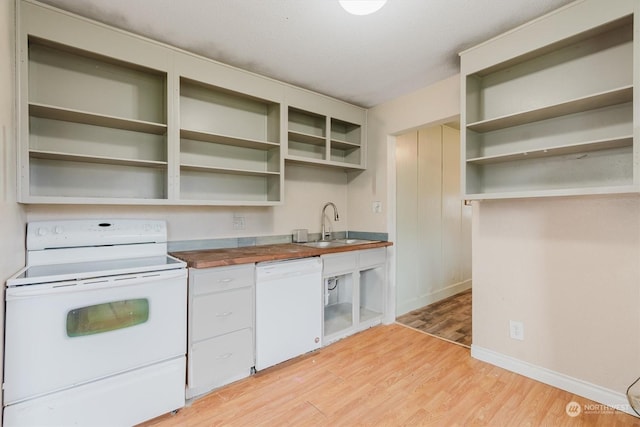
(433, 227)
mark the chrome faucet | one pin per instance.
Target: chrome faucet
(325, 235)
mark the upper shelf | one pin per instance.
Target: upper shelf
(319, 162)
(555, 192)
(52, 155)
(343, 145)
(227, 140)
(583, 147)
(76, 116)
(598, 100)
(307, 138)
(230, 171)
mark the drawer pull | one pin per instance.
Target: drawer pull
(225, 314)
(224, 356)
(227, 280)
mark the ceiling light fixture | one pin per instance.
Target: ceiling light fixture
(362, 7)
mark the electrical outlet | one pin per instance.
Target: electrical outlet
(238, 222)
(376, 207)
(516, 330)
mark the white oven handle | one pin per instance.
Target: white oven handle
(93, 284)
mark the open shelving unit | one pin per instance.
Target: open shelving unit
(110, 117)
(97, 126)
(307, 135)
(552, 121)
(229, 146)
(322, 140)
(345, 142)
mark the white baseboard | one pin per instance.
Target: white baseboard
(440, 294)
(582, 388)
(451, 290)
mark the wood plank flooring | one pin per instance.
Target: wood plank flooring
(389, 375)
(449, 318)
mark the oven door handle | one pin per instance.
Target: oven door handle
(94, 284)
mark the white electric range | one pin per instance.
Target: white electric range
(95, 325)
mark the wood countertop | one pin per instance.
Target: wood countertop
(207, 258)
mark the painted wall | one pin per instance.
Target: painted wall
(569, 270)
(306, 191)
(432, 105)
(433, 228)
(12, 218)
(435, 104)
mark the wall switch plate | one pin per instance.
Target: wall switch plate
(516, 330)
(376, 207)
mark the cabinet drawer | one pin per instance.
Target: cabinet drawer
(222, 278)
(218, 361)
(370, 257)
(338, 263)
(220, 313)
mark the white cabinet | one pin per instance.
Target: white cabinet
(354, 292)
(548, 109)
(221, 327)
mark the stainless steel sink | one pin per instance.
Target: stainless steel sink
(324, 244)
(353, 241)
(336, 243)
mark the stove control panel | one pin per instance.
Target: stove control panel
(78, 233)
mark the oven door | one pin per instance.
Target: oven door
(64, 334)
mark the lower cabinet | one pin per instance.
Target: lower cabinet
(221, 347)
(221, 327)
(354, 292)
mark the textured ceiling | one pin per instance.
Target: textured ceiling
(315, 44)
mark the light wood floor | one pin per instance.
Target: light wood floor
(449, 318)
(388, 376)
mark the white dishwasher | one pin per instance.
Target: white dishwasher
(288, 309)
